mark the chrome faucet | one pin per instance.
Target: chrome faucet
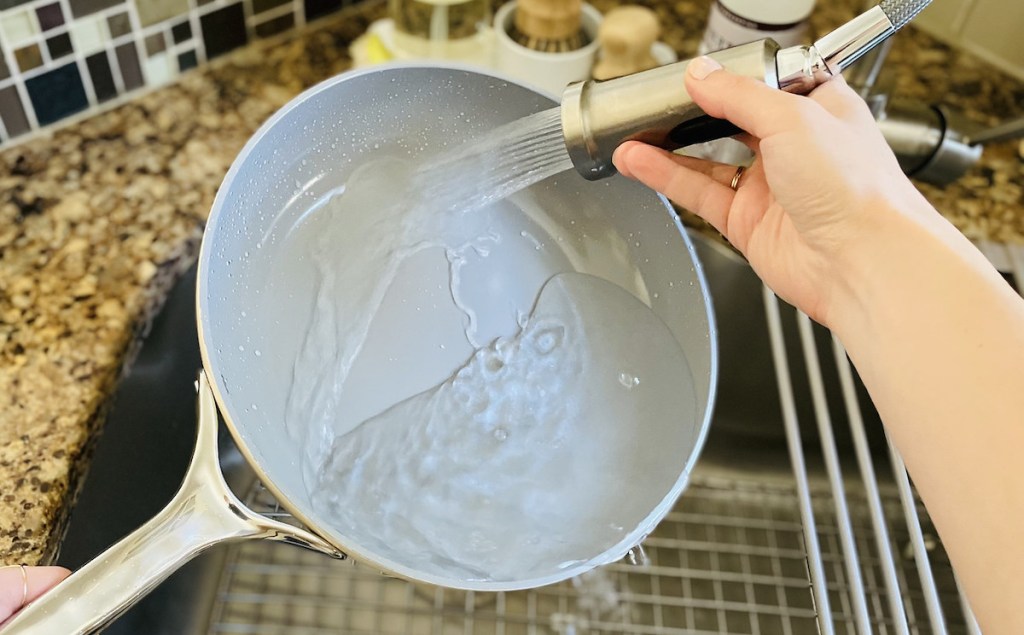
(933, 142)
(654, 107)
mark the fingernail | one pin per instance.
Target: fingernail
(619, 160)
(702, 67)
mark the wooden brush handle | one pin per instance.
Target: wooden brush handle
(626, 35)
(548, 19)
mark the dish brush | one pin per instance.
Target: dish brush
(549, 26)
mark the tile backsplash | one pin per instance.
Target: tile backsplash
(60, 58)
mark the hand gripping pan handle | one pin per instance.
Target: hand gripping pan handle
(203, 513)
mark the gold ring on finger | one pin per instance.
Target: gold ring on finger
(735, 183)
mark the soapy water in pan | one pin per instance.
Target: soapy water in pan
(528, 454)
(519, 463)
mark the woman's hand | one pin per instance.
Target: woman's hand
(827, 220)
(20, 585)
(822, 182)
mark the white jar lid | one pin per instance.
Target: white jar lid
(774, 12)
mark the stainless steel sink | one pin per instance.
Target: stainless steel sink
(781, 531)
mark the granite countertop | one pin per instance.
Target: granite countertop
(100, 217)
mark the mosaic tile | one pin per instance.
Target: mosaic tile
(89, 35)
(155, 44)
(128, 62)
(101, 76)
(12, 113)
(181, 32)
(187, 60)
(259, 6)
(18, 27)
(29, 57)
(59, 46)
(82, 8)
(223, 30)
(159, 69)
(56, 94)
(319, 8)
(67, 46)
(50, 16)
(153, 11)
(279, 24)
(119, 25)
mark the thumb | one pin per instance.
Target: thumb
(751, 104)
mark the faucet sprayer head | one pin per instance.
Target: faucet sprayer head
(654, 107)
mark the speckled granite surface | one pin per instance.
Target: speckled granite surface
(97, 219)
(95, 222)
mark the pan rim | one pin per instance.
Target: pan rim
(352, 547)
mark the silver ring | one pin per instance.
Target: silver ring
(735, 183)
(25, 587)
(25, 584)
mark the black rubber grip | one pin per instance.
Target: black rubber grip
(701, 130)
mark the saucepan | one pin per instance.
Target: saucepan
(590, 291)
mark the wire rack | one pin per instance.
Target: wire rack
(731, 559)
(827, 552)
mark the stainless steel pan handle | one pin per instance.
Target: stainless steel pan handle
(203, 513)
